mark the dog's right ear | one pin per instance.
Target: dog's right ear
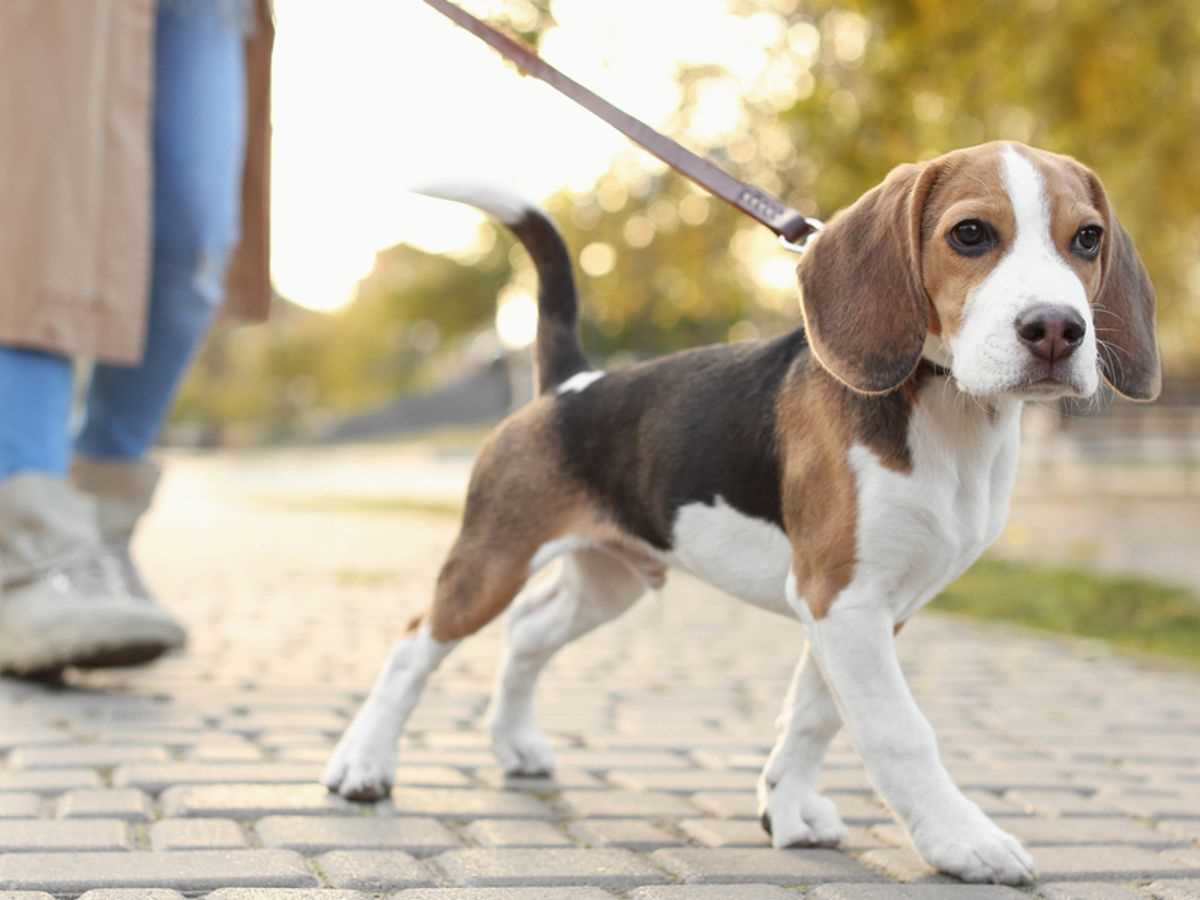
(865, 308)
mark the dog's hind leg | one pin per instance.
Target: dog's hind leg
(790, 808)
(472, 589)
(593, 587)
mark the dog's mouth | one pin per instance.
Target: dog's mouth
(1045, 388)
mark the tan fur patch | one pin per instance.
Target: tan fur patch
(518, 499)
(819, 420)
(969, 187)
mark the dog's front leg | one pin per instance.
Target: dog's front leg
(791, 809)
(855, 647)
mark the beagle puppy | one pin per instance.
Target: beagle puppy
(842, 474)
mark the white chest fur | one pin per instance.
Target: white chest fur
(743, 556)
(919, 531)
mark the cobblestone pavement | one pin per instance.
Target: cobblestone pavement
(198, 774)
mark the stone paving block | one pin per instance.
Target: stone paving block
(196, 834)
(730, 759)
(188, 871)
(231, 752)
(295, 738)
(995, 805)
(685, 782)
(251, 801)
(1088, 863)
(607, 868)
(903, 864)
(625, 804)
(1183, 889)
(47, 781)
(17, 737)
(726, 832)
(25, 895)
(713, 892)
(328, 723)
(1061, 803)
(516, 833)
(20, 806)
(449, 803)
(1158, 805)
(373, 870)
(106, 803)
(309, 834)
(1088, 890)
(155, 777)
(855, 809)
(632, 834)
(1108, 862)
(283, 894)
(789, 867)
(40, 834)
(1035, 831)
(1186, 829)
(563, 779)
(528, 893)
(914, 892)
(998, 777)
(679, 743)
(414, 775)
(82, 756)
(132, 894)
(608, 761)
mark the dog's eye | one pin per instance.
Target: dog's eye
(971, 237)
(1086, 242)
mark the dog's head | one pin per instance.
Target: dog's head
(1004, 263)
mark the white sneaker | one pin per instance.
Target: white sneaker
(62, 600)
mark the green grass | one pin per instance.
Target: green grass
(1133, 613)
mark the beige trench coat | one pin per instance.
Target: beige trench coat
(76, 85)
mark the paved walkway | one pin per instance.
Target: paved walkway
(199, 773)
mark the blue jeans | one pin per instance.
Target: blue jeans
(199, 149)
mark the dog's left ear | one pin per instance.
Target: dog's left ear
(1124, 310)
(866, 311)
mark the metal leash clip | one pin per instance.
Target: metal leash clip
(800, 246)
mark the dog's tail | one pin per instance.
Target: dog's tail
(558, 351)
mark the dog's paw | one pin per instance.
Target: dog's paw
(978, 852)
(363, 765)
(795, 815)
(523, 751)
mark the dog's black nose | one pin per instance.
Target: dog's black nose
(1050, 332)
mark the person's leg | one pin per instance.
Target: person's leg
(35, 406)
(199, 148)
(58, 607)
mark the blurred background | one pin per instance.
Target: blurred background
(399, 314)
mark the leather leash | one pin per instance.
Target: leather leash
(792, 227)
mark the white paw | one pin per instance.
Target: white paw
(523, 751)
(363, 764)
(795, 815)
(977, 852)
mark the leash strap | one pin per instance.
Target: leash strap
(792, 227)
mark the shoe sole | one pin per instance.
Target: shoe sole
(122, 657)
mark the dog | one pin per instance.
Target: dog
(842, 474)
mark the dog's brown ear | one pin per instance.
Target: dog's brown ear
(865, 307)
(1124, 310)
